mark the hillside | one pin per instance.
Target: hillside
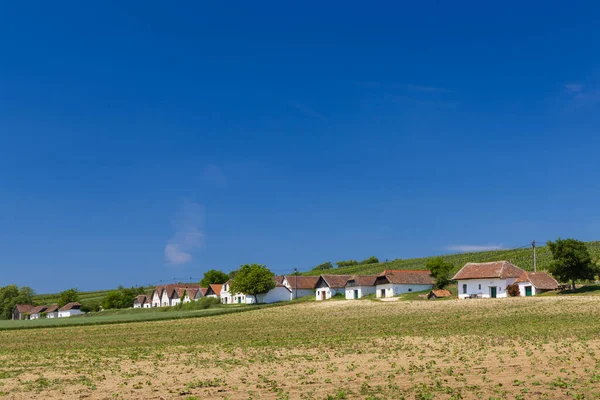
(85, 298)
(522, 258)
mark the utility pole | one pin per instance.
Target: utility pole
(534, 260)
(295, 283)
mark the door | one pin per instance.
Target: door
(323, 295)
(382, 292)
(356, 294)
(528, 291)
(239, 300)
(493, 292)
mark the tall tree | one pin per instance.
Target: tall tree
(252, 280)
(68, 296)
(440, 269)
(10, 296)
(213, 276)
(571, 261)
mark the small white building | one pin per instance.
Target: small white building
(300, 286)
(142, 301)
(329, 285)
(70, 310)
(360, 286)
(486, 280)
(52, 311)
(532, 283)
(173, 294)
(396, 282)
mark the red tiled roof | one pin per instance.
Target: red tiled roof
(441, 293)
(203, 290)
(216, 288)
(336, 281)
(52, 308)
(302, 282)
(362, 280)
(541, 280)
(70, 306)
(192, 292)
(24, 308)
(407, 277)
(37, 309)
(495, 269)
(278, 281)
(142, 299)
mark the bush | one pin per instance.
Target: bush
(513, 290)
(370, 260)
(347, 263)
(323, 267)
(203, 303)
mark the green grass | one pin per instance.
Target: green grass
(522, 258)
(129, 315)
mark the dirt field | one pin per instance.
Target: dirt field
(505, 348)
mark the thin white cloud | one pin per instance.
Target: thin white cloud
(188, 236)
(308, 111)
(574, 87)
(469, 248)
(215, 176)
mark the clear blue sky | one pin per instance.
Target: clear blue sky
(145, 141)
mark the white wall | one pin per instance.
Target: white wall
(155, 299)
(393, 289)
(362, 291)
(69, 313)
(272, 296)
(147, 305)
(137, 304)
(164, 300)
(34, 316)
(329, 292)
(522, 286)
(482, 287)
(52, 315)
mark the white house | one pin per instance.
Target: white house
(142, 301)
(486, 280)
(396, 282)
(329, 285)
(229, 298)
(300, 286)
(36, 312)
(70, 310)
(52, 311)
(360, 286)
(279, 293)
(173, 294)
(532, 283)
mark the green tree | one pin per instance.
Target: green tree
(213, 276)
(441, 270)
(323, 267)
(68, 296)
(252, 280)
(571, 261)
(10, 296)
(370, 260)
(232, 274)
(121, 298)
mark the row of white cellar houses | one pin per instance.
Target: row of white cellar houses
(475, 280)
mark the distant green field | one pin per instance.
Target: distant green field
(128, 315)
(522, 258)
(85, 298)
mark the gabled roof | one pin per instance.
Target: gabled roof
(302, 282)
(214, 288)
(142, 299)
(191, 292)
(362, 280)
(278, 281)
(70, 306)
(495, 269)
(541, 280)
(441, 293)
(406, 277)
(23, 308)
(336, 281)
(37, 309)
(203, 290)
(52, 308)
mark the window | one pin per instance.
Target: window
(480, 286)
(465, 288)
